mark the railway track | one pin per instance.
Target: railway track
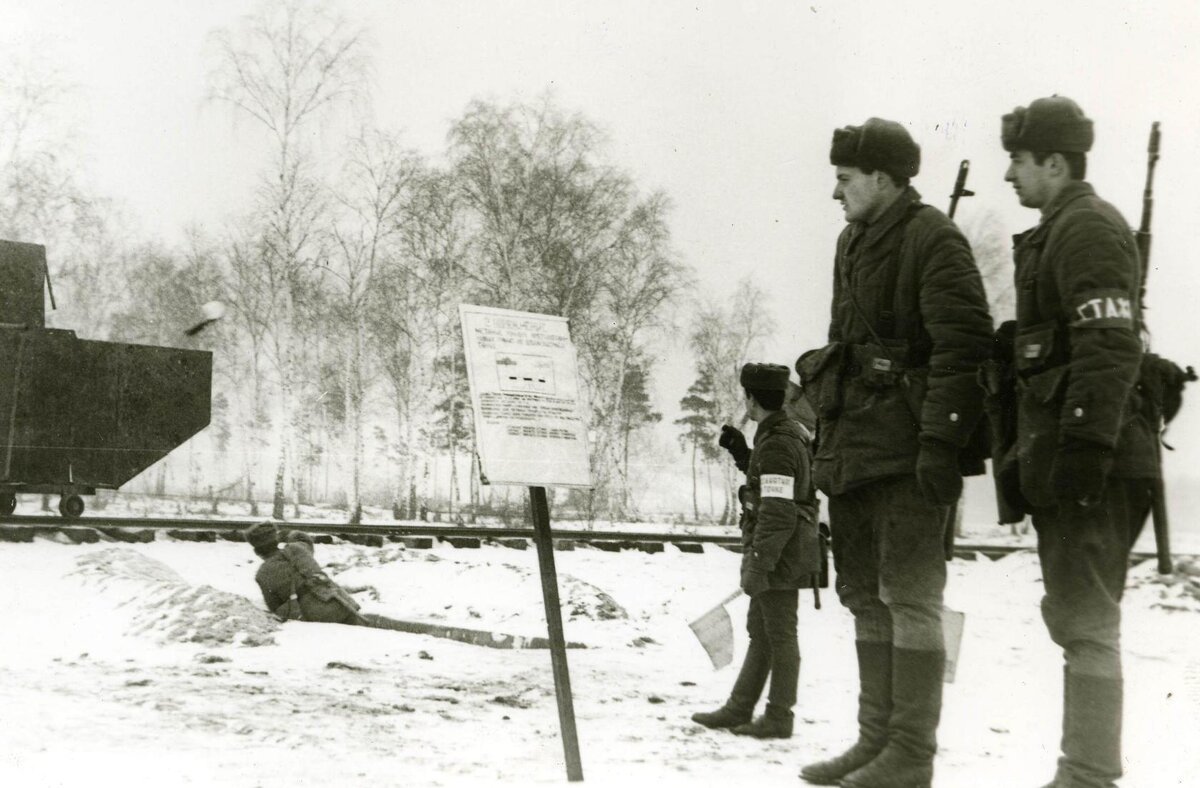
(26, 527)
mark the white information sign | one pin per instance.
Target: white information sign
(529, 421)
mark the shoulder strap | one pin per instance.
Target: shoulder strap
(888, 319)
(296, 570)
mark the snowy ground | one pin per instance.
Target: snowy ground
(136, 665)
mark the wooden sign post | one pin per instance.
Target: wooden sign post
(531, 430)
(558, 646)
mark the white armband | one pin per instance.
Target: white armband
(775, 486)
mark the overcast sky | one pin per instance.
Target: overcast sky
(728, 107)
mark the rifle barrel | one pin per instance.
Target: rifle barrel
(960, 187)
(1148, 191)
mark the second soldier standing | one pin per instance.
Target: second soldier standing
(1086, 448)
(897, 402)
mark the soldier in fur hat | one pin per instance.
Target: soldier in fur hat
(780, 554)
(897, 402)
(1086, 454)
(293, 585)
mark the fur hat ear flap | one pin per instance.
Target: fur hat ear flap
(262, 534)
(876, 145)
(1048, 125)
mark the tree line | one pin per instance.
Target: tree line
(343, 279)
(339, 373)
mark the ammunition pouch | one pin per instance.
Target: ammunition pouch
(810, 539)
(1041, 375)
(326, 590)
(821, 372)
(813, 535)
(827, 372)
(883, 379)
(1038, 348)
(997, 377)
(1040, 400)
(876, 367)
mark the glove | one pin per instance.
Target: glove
(937, 472)
(733, 441)
(1080, 471)
(754, 582)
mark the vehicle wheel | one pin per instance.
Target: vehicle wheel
(8, 503)
(70, 506)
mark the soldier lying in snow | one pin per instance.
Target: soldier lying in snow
(293, 584)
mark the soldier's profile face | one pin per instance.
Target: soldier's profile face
(858, 192)
(1030, 180)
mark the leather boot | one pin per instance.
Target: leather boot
(775, 724)
(907, 760)
(874, 710)
(739, 709)
(725, 717)
(1092, 733)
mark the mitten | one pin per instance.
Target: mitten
(754, 582)
(733, 441)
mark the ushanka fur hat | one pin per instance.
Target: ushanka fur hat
(765, 377)
(262, 534)
(1047, 125)
(876, 145)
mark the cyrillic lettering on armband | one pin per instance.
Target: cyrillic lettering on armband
(1103, 309)
(773, 485)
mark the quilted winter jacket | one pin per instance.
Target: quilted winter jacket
(294, 586)
(779, 529)
(1077, 349)
(912, 276)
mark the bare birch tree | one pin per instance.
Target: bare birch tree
(283, 67)
(723, 337)
(378, 176)
(558, 230)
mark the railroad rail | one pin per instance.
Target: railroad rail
(25, 527)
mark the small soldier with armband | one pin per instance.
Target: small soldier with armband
(781, 554)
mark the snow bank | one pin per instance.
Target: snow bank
(166, 607)
(106, 679)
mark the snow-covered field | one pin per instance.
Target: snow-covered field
(153, 665)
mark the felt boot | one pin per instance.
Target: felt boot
(874, 710)
(1091, 733)
(907, 760)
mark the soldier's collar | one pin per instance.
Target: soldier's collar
(894, 214)
(770, 421)
(1072, 191)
